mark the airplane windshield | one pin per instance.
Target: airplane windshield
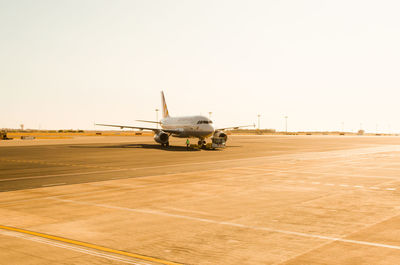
(204, 122)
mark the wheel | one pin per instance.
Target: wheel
(167, 144)
(162, 145)
(199, 143)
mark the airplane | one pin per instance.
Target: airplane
(183, 127)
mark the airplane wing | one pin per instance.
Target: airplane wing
(149, 121)
(140, 128)
(235, 127)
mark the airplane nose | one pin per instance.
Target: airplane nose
(211, 128)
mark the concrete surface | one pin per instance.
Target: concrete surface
(262, 200)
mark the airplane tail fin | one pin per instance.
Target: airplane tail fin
(164, 106)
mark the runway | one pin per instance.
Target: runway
(262, 200)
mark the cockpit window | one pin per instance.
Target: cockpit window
(204, 122)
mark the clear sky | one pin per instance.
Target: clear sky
(67, 64)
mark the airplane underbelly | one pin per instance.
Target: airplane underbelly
(193, 134)
(189, 132)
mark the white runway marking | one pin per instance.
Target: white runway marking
(301, 234)
(329, 242)
(299, 171)
(331, 184)
(303, 157)
(62, 175)
(309, 156)
(63, 195)
(99, 183)
(53, 184)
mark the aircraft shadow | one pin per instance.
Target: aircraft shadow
(156, 146)
(171, 148)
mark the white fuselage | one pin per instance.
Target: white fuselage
(189, 126)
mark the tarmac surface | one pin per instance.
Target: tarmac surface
(262, 200)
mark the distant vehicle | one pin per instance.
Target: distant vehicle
(183, 127)
(3, 136)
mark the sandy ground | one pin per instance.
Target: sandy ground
(262, 200)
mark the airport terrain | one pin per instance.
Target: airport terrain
(262, 200)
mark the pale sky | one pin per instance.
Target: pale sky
(66, 64)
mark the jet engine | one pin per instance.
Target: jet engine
(220, 135)
(219, 139)
(161, 137)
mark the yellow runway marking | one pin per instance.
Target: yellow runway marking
(88, 245)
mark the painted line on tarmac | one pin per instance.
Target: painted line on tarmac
(311, 156)
(340, 185)
(64, 174)
(294, 171)
(73, 248)
(14, 202)
(307, 156)
(53, 163)
(98, 183)
(54, 184)
(259, 228)
(314, 155)
(89, 245)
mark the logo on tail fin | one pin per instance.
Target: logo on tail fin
(164, 106)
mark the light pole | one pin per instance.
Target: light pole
(157, 117)
(259, 115)
(286, 117)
